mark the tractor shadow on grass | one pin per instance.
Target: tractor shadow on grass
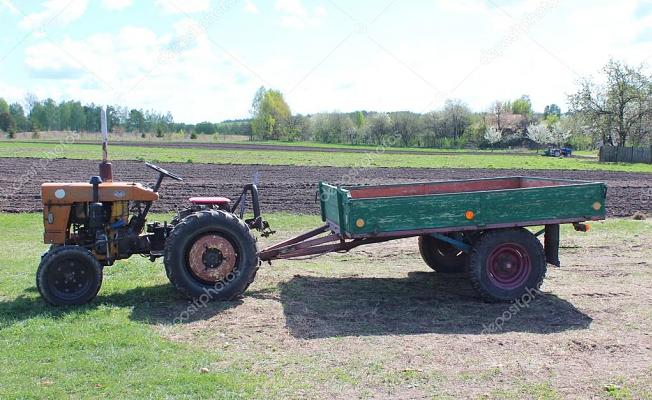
(160, 304)
(423, 302)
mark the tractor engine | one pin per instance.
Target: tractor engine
(106, 218)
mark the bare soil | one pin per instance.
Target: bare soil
(283, 188)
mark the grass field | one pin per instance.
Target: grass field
(238, 139)
(372, 323)
(306, 158)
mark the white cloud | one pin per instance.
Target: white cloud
(183, 6)
(297, 16)
(55, 12)
(180, 72)
(10, 6)
(117, 4)
(250, 7)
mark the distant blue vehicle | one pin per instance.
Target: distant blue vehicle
(558, 152)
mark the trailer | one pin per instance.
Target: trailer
(477, 227)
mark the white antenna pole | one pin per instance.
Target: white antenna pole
(105, 135)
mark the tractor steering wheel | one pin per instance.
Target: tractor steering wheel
(164, 172)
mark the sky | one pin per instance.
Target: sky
(205, 59)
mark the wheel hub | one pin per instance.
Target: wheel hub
(508, 266)
(212, 258)
(69, 278)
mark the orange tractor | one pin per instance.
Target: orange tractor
(208, 249)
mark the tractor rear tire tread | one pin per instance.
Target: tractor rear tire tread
(211, 221)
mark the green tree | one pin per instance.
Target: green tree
(7, 123)
(271, 115)
(333, 128)
(379, 126)
(551, 109)
(456, 117)
(18, 114)
(136, 121)
(4, 107)
(359, 120)
(619, 109)
(522, 106)
(205, 128)
(406, 125)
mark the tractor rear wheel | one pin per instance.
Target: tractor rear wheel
(506, 264)
(68, 275)
(441, 256)
(211, 255)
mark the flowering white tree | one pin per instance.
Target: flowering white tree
(493, 135)
(559, 135)
(539, 134)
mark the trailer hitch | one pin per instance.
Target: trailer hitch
(257, 222)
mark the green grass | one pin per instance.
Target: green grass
(106, 349)
(309, 158)
(238, 140)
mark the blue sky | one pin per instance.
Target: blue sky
(204, 59)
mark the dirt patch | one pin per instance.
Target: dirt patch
(283, 188)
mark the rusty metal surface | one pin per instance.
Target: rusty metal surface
(212, 258)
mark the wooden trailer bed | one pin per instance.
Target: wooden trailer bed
(462, 205)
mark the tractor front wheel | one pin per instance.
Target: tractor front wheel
(211, 255)
(68, 275)
(506, 264)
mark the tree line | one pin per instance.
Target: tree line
(617, 111)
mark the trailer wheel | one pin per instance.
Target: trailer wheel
(506, 264)
(68, 275)
(441, 256)
(211, 255)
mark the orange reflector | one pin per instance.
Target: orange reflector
(360, 223)
(469, 215)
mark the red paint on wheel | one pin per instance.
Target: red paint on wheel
(508, 266)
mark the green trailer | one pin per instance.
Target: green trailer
(476, 227)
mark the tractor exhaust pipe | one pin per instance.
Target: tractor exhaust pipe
(106, 171)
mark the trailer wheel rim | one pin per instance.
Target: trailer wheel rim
(212, 258)
(69, 279)
(508, 266)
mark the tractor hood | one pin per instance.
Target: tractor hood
(68, 193)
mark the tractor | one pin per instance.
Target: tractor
(208, 248)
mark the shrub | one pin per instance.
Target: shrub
(193, 136)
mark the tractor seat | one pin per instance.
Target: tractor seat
(210, 201)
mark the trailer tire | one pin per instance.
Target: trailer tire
(506, 264)
(68, 275)
(441, 256)
(211, 255)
